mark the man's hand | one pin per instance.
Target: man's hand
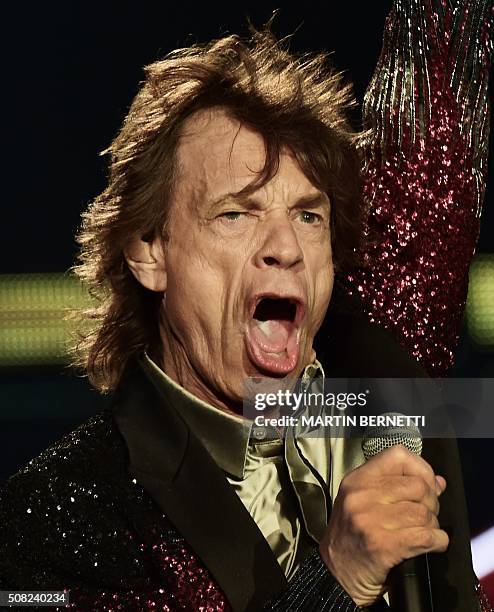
(385, 512)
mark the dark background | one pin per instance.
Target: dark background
(72, 70)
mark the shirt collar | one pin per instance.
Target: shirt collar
(226, 436)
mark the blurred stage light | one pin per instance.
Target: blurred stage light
(483, 561)
(480, 303)
(482, 549)
(34, 312)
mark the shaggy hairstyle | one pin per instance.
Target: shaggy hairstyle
(297, 102)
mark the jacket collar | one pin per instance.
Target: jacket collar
(224, 435)
(182, 478)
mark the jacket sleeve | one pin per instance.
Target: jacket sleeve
(314, 589)
(425, 160)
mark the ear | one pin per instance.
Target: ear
(146, 261)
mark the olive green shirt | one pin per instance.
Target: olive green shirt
(283, 483)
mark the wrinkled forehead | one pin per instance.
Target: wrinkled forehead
(212, 144)
(218, 154)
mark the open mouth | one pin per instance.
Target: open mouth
(275, 309)
(272, 337)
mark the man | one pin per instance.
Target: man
(233, 198)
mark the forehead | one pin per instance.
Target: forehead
(218, 155)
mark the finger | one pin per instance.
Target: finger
(420, 540)
(404, 515)
(395, 489)
(398, 460)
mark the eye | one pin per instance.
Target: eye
(232, 215)
(306, 216)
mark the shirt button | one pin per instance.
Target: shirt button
(260, 433)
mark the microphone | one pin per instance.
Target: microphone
(409, 582)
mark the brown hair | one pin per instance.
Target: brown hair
(294, 102)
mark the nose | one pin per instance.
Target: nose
(279, 245)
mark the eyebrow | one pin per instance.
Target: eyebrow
(311, 201)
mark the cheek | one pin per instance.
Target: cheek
(195, 295)
(323, 288)
(319, 259)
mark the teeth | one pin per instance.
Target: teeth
(281, 354)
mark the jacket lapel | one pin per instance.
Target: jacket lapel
(182, 478)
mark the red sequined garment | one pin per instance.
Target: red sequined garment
(425, 171)
(427, 108)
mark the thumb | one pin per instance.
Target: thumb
(441, 485)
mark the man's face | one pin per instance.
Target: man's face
(248, 278)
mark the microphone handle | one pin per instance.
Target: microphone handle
(409, 586)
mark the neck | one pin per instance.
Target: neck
(176, 364)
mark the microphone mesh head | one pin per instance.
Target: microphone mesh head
(378, 438)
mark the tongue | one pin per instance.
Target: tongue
(272, 335)
(273, 345)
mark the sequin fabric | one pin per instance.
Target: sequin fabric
(483, 603)
(425, 172)
(102, 536)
